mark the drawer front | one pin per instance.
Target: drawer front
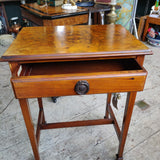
(48, 86)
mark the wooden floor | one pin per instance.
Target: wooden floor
(83, 143)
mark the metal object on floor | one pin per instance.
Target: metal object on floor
(54, 99)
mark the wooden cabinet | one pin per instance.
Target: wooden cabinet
(53, 16)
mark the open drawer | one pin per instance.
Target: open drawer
(78, 77)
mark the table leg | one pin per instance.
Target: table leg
(102, 17)
(126, 121)
(89, 18)
(29, 125)
(109, 95)
(41, 108)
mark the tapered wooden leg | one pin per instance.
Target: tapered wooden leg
(126, 121)
(29, 125)
(41, 119)
(41, 108)
(109, 95)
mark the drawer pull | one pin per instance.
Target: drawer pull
(81, 87)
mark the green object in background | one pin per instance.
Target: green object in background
(124, 13)
(157, 3)
(142, 105)
(55, 2)
(40, 2)
(50, 2)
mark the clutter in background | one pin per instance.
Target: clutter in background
(153, 37)
(3, 28)
(6, 40)
(15, 26)
(155, 10)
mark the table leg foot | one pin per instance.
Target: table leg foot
(118, 158)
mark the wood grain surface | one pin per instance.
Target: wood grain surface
(73, 20)
(72, 42)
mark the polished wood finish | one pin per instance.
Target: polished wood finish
(51, 12)
(140, 60)
(73, 42)
(77, 123)
(57, 87)
(29, 125)
(41, 119)
(108, 102)
(62, 81)
(31, 17)
(53, 16)
(115, 123)
(126, 121)
(150, 20)
(80, 19)
(49, 61)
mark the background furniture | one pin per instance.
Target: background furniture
(78, 60)
(97, 8)
(10, 9)
(52, 16)
(126, 15)
(150, 20)
(144, 8)
(141, 26)
(99, 13)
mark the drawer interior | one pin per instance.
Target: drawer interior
(74, 67)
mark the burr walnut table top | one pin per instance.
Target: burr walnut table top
(73, 42)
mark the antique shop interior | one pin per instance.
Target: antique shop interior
(79, 79)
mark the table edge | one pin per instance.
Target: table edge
(64, 56)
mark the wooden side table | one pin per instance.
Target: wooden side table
(53, 16)
(150, 20)
(76, 60)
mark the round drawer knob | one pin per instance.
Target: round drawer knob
(81, 87)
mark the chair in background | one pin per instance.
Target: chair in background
(126, 15)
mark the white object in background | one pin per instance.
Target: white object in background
(14, 19)
(113, 2)
(23, 2)
(69, 6)
(153, 11)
